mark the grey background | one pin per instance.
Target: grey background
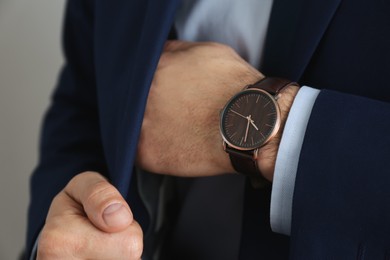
(30, 58)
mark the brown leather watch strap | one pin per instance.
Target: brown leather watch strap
(245, 164)
(243, 161)
(272, 85)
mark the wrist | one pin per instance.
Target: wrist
(250, 125)
(267, 154)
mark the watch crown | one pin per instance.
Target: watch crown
(224, 145)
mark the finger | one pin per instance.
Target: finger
(127, 244)
(102, 202)
(124, 245)
(75, 238)
(174, 45)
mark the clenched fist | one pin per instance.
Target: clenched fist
(180, 131)
(89, 219)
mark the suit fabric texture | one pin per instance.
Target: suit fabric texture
(342, 196)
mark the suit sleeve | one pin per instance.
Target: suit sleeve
(341, 204)
(70, 138)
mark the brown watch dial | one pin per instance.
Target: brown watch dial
(249, 119)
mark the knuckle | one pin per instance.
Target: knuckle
(79, 178)
(50, 245)
(100, 193)
(57, 199)
(134, 244)
(76, 179)
(81, 247)
(57, 243)
(87, 174)
(56, 202)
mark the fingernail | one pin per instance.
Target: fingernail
(116, 215)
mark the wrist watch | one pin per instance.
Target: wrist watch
(249, 120)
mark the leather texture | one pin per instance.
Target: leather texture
(272, 85)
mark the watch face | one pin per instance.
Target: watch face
(249, 119)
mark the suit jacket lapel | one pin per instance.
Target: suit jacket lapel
(131, 33)
(295, 30)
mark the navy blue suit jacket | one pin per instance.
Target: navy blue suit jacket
(341, 205)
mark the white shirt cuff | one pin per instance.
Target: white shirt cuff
(288, 158)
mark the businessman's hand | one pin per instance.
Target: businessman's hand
(89, 219)
(180, 132)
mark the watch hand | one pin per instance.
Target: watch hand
(253, 123)
(238, 114)
(247, 128)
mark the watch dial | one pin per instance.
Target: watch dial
(249, 119)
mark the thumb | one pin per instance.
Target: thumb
(102, 202)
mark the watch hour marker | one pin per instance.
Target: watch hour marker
(262, 135)
(268, 125)
(267, 103)
(253, 142)
(242, 139)
(233, 134)
(257, 100)
(270, 114)
(247, 99)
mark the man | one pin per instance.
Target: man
(340, 194)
